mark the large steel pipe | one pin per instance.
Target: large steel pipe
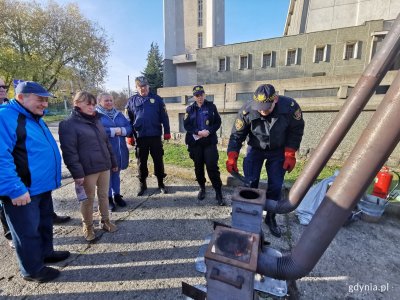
(359, 97)
(372, 149)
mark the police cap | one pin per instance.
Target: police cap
(141, 81)
(198, 90)
(263, 97)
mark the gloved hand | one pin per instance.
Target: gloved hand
(290, 159)
(231, 163)
(167, 136)
(130, 141)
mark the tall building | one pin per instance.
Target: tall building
(326, 46)
(306, 16)
(189, 25)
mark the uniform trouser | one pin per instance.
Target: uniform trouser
(6, 229)
(100, 180)
(152, 145)
(31, 228)
(253, 163)
(206, 155)
(115, 183)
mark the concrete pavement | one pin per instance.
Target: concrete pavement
(159, 238)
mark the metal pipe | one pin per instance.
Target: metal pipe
(362, 92)
(371, 151)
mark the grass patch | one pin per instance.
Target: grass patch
(54, 118)
(177, 154)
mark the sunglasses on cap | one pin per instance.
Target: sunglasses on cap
(4, 87)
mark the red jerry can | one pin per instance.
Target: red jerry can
(383, 180)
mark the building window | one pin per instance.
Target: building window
(351, 50)
(200, 13)
(320, 53)
(200, 40)
(244, 97)
(266, 60)
(245, 62)
(222, 64)
(292, 56)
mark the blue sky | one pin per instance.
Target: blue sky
(133, 25)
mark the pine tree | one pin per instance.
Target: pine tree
(154, 69)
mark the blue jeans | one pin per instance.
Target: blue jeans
(115, 183)
(31, 229)
(253, 163)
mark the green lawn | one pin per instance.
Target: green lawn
(176, 154)
(53, 118)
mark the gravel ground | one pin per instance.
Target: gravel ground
(159, 238)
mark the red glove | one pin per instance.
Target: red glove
(231, 163)
(167, 136)
(130, 141)
(290, 159)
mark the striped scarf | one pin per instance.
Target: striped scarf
(109, 113)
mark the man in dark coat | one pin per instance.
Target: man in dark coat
(274, 126)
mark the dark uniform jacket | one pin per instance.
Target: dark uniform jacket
(146, 115)
(85, 146)
(212, 123)
(284, 127)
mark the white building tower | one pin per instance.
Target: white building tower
(189, 25)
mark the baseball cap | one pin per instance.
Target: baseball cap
(198, 90)
(263, 97)
(31, 87)
(141, 81)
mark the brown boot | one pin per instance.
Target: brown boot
(88, 232)
(108, 226)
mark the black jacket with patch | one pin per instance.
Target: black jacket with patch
(212, 123)
(284, 127)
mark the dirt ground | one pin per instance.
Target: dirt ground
(159, 238)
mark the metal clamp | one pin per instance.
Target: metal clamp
(235, 283)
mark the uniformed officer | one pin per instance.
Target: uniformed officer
(201, 123)
(274, 125)
(148, 114)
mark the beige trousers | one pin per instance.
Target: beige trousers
(100, 180)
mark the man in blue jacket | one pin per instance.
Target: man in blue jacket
(147, 114)
(31, 169)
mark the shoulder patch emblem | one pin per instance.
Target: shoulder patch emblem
(292, 104)
(126, 112)
(244, 113)
(186, 116)
(152, 100)
(239, 124)
(297, 114)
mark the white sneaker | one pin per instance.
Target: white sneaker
(11, 244)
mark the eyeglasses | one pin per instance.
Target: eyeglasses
(4, 87)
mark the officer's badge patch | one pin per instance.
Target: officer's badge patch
(297, 114)
(207, 122)
(239, 124)
(244, 113)
(186, 115)
(152, 100)
(292, 104)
